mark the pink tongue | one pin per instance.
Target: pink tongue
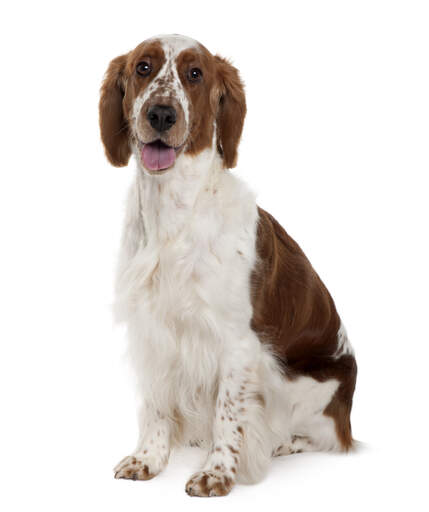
(157, 156)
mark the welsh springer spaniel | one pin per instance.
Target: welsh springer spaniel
(235, 341)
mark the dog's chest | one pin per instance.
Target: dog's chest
(184, 291)
(196, 274)
(180, 263)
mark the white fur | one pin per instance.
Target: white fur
(344, 346)
(183, 289)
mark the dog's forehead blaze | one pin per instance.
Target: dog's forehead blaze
(174, 44)
(168, 56)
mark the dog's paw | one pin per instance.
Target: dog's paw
(209, 483)
(138, 467)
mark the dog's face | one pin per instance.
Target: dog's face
(168, 98)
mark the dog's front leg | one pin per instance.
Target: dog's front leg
(236, 390)
(153, 447)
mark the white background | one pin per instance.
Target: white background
(335, 144)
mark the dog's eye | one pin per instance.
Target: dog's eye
(195, 75)
(143, 68)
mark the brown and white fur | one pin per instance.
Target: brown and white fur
(235, 341)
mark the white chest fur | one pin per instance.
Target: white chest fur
(183, 280)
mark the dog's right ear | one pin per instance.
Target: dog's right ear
(231, 111)
(113, 125)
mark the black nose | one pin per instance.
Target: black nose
(161, 117)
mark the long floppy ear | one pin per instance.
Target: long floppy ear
(113, 125)
(231, 111)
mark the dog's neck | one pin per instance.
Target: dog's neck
(167, 202)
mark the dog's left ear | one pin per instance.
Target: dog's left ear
(231, 111)
(113, 125)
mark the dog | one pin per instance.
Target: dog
(236, 343)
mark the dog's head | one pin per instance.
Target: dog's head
(167, 98)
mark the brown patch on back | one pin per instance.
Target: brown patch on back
(294, 312)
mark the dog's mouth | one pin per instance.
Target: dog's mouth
(158, 156)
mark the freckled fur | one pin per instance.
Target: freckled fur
(218, 364)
